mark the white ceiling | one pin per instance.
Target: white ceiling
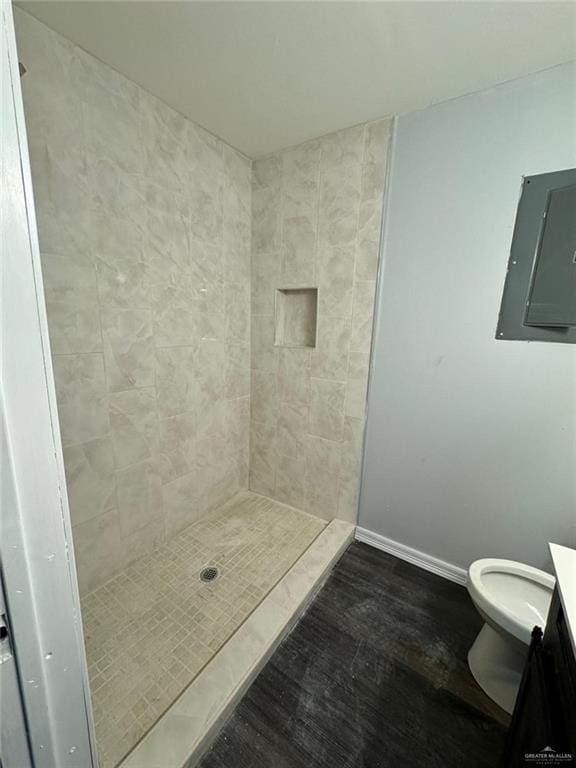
(265, 75)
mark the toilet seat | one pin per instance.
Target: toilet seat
(513, 596)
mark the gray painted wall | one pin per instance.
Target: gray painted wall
(471, 442)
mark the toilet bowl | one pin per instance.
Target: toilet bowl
(512, 598)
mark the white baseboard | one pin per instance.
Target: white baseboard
(414, 556)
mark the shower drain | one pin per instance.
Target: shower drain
(208, 574)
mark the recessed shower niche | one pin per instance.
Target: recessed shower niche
(296, 313)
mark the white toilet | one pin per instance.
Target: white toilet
(512, 598)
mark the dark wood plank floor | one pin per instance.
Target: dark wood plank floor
(373, 676)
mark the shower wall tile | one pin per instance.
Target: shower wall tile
(293, 375)
(145, 233)
(99, 549)
(180, 502)
(322, 455)
(74, 328)
(264, 397)
(237, 370)
(178, 445)
(330, 358)
(82, 397)
(316, 218)
(327, 408)
(357, 384)
(134, 426)
(291, 481)
(336, 281)
(90, 478)
(263, 457)
(292, 429)
(139, 491)
(128, 348)
(322, 490)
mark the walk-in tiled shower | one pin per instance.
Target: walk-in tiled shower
(210, 322)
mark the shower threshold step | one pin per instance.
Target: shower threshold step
(187, 729)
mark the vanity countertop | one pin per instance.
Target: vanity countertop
(564, 559)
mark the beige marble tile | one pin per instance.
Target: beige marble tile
(299, 236)
(206, 151)
(205, 196)
(176, 380)
(236, 234)
(370, 219)
(339, 205)
(92, 79)
(263, 458)
(51, 59)
(294, 375)
(237, 370)
(377, 139)
(295, 318)
(267, 171)
(206, 263)
(98, 548)
(348, 495)
(300, 182)
(327, 408)
(350, 466)
(62, 206)
(168, 224)
(121, 269)
(367, 258)
(145, 540)
(69, 280)
(238, 170)
(176, 314)
(291, 481)
(114, 192)
(74, 328)
(322, 455)
(210, 369)
(357, 384)
(237, 424)
(266, 211)
(166, 149)
(292, 428)
(330, 358)
(373, 177)
(336, 280)
(128, 348)
(146, 220)
(180, 502)
(361, 337)
(322, 494)
(134, 426)
(237, 310)
(264, 397)
(82, 397)
(110, 121)
(264, 355)
(343, 148)
(226, 678)
(212, 420)
(293, 590)
(53, 120)
(266, 278)
(90, 479)
(139, 495)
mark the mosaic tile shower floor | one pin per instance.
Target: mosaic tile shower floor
(152, 628)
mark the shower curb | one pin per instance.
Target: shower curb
(182, 736)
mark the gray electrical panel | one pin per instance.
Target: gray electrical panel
(539, 301)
